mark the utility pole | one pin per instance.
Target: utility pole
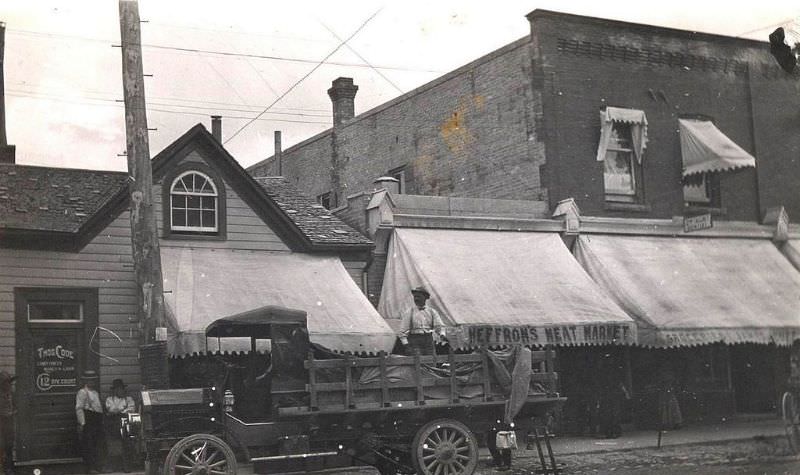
(144, 233)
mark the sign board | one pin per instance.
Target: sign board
(696, 223)
(501, 335)
(55, 363)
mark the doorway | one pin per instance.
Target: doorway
(53, 332)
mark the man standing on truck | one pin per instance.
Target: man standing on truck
(420, 324)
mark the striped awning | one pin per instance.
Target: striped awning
(706, 149)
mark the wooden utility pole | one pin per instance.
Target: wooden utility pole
(144, 233)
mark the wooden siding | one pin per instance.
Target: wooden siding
(105, 264)
(356, 270)
(245, 229)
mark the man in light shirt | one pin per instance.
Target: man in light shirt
(420, 324)
(89, 411)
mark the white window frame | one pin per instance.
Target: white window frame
(617, 195)
(214, 194)
(54, 320)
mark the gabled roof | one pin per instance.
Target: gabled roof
(64, 208)
(318, 224)
(58, 200)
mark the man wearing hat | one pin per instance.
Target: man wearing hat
(7, 412)
(89, 411)
(420, 324)
(117, 405)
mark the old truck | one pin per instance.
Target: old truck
(309, 409)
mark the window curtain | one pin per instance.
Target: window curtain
(638, 123)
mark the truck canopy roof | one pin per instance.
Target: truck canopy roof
(256, 323)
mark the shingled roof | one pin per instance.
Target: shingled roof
(54, 199)
(318, 224)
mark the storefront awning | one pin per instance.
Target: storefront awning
(691, 291)
(498, 288)
(203, 285)
(705, 149)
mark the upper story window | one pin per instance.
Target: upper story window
(623, 137)
(194, 201)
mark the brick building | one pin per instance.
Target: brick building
(522, 123)
(639, 125)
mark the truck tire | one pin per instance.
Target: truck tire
(444, 447)
(200, 453)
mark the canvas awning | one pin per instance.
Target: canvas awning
(203, 285)
(498, 288)
(633, 117)
(690, 291)
(706, 149)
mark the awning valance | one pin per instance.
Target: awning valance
(498, 288)
(690, 291)
(203, 285)
(706, 149)
(635, 118)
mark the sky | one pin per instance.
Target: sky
(238, 59)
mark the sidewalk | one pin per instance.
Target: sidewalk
(740, 428)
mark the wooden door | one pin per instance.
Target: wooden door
(53, 329)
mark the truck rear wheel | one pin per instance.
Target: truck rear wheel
(444, 447)
(200, 454)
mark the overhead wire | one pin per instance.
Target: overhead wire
(291, 88)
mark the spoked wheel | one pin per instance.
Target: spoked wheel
(200, 454)
(791, 421)
(444, 447)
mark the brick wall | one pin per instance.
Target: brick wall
(587, 64)
(469, 133)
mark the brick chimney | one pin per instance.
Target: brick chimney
(7, 152)
(342, 93)
(216, 127)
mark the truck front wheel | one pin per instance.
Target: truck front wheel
(444, 447)
(200, 454)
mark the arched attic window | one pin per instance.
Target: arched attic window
(194, 203)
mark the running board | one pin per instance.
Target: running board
(293, 456)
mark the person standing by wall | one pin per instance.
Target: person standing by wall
(89, 411)
(419, 325)
(117, 405)
(7, 432)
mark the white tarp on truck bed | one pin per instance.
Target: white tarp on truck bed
(202, 285)
(499, 288)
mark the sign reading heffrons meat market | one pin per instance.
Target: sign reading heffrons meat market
(491, 335)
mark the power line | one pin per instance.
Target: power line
(219, 52)
(788, 20)
(291, 88)
(365, 60)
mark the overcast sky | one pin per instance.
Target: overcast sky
(63, 77)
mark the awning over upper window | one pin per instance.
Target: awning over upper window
(705, 149)
(499, 288)
(203, 285)
(635, 118)
(691, 291)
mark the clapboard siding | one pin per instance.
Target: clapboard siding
(105, 264)
(245, 229)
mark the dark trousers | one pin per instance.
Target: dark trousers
(7, 439)
(120, 449)
(93, 441)
(500, 457)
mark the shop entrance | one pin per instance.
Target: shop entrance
(53, 329)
